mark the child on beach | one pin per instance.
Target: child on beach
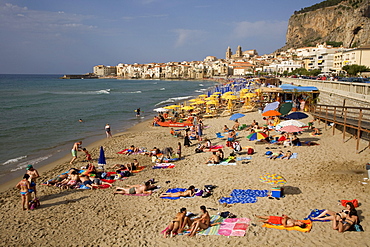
(24, 186)
(87, 155)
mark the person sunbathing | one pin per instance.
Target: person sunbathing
(276, 155)
(214, 159)
(226, 129)
(203, 222)
(135, 189)
(176, 225)
(330, 215)
(86, 181)
(284, 220)
(287, 155)
(316, 131)
(187, 193)
(236, 125)
(343, 222)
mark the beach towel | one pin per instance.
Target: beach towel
(174, 191)
(163, 165)
(243, 196)
(223, 163)
(314, 213)
(234, 227)
(290, 228)
(213, 229)
(294, 156)
(124, 150)
(139, 169)
(244, 158)
(214, 148)
(135, 194)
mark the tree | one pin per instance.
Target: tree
(300, 71)
(354, 69)
(315, 72)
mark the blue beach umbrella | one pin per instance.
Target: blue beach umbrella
(297, 115)
(236, 116)
(101, 160)
(271, 106)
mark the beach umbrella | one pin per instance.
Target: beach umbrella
(212, 102)
(236, 116)
(187, 108)
(101, 160)
(271, 106)
(297, 115)
(273, 179)
(271, 113)
(231, 97)
(289, 122)
(285, 108)
(256, 136)
(192, 100)
(200, 102)
(202, 95)
(290, 129)
(160, 109)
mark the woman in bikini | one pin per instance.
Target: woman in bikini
(187, 193)
(176, 225)
(203, 222)
(24, 186)
(344, 221)
(332, 215)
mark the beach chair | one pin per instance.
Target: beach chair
(218, 135)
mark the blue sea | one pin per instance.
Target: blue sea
(40, 113)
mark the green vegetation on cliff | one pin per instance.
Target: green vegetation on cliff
(321, 5)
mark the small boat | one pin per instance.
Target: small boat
(174, 124)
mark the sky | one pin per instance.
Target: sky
(72, 36)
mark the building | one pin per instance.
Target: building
(102, 70)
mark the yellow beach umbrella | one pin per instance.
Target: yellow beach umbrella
(192, 100)
(200, 102)
(202, 95)
(250, 95)
(212, 102)
(229, 104)
(187, 108)
(216, 93)
(231, 97)
(228, 93)
(194, 103)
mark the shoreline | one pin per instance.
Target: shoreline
(50, 165)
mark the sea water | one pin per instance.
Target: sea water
(40, 113)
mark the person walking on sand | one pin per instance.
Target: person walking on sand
(24, 186)
(108, 131)
(76, 147)
(33, 174)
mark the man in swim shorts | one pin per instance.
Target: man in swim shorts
(284, 220)
(76, 147)
(135, 189)
(33, 173)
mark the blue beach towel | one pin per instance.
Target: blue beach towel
(244, 196)
(244, 158)
(314, 213)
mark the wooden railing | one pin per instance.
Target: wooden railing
(354, 120)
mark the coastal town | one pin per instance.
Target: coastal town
(325, 59)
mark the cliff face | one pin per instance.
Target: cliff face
(347, 22)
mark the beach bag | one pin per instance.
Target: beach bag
(358, 228)
(237, 147)
(228, 144)
(250, 151)
(198, 150)
(34, 204)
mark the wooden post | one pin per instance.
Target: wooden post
(326, 117)
(344, 123)
(334, 118)
(359, 130)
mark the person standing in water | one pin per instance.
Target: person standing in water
(138, 112)
(108, 131)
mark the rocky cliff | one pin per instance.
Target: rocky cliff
(347, 22)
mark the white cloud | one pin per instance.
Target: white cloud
(185, 36)
(266, 29)
(13, 17)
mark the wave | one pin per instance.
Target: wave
(133, 92)
(201, 85)
(172, 100)
(14, 160)
(33, 162)
(162, 89)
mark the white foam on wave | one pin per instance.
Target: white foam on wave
(133, 92)
(33, 162)
(162, 89)
(14, 160)
(172, 100)
(103, 91)
(201, 85)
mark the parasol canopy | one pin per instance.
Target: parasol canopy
(291, 129)
(271, 106)
(285, 108)
(297, 115)
(271, 113)
(289, 122)
(256, 136)
(236, 116)
(187, 108)
(101, 160)
(273, 179)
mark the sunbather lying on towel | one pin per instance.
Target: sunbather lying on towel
(285, 221)
(140, 189)
(187, 193)
(287, 155)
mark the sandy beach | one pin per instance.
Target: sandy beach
(319, 177)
